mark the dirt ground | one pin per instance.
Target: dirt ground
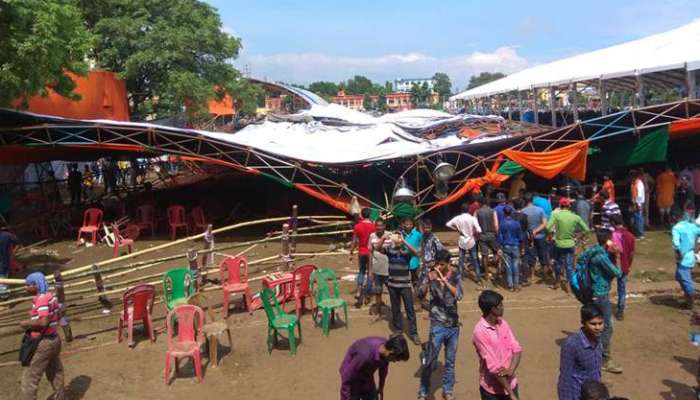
(651, 344)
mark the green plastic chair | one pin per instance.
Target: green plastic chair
(178, 286)
(278, 320)
(327, 302)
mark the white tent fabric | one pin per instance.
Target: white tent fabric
(673, 49)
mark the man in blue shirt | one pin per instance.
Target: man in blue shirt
(414, 238)
(511, 238)
(581, 354)
(543, 203)
(537, 247)
(500, 206)
(684, 237)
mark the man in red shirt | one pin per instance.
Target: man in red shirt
(624, 242)
(360, 241)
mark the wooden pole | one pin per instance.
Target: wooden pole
(61, 296)
(99, 284)
(553, 105)
(286, 256)
(603, 97)
(295, 214)
(194, 267)
(208, 256)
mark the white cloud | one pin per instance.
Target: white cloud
(308, 67)
(230, 31)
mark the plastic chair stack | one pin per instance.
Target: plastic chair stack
(138, 306)
(233, 273)
(176, 220)
(302, 288)
(120, 241)
(324, 285)
(145, 218)
(278, 320)
(189, 339)
(92, 220)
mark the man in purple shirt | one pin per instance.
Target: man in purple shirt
(581, 354)
(363, 358)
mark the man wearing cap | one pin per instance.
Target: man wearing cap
(500, 207)
(565, 225)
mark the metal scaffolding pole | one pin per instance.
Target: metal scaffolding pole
(520, 106)
(573, 100)
(552, 108)
(510, 107)
(640, 91)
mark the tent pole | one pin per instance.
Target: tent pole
(603, 97)
(534, 105)
(573, 101)
(552, 108)
(691, 83)
(640, 91)
(520, 106)
(510, 108)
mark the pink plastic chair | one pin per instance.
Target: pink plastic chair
(190, 320)
(233, 282)
(92, 219)
(138, 305)
(198, 221)
(176, 219)
(120, 241)
(302, 288)
(145, 218)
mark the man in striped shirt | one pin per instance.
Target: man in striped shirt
(399, 253)
(609, 209)
(42, 324)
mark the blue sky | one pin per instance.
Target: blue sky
(304, 41)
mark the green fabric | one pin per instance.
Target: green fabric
(510, 168)
(565, 224)
(652, 147)
(277, 179)
(404, 210)
(375, 214)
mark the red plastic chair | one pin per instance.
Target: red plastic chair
(92, 220)
(145, 218)
(190, 337)
(198, 221)
(233, 282)
(176, 219)
(302, 288)
(120, 241)
(138, 305)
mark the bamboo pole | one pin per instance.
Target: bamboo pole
(293, 223)
(208, 257)
(172, 243)
(61, 297)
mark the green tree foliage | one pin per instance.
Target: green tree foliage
(171, 53)
(484, 78)
(442, 85)
(367, 102)
(39, 41)
(381, 102)
(324, 89)
(359, 85)
(420, 95)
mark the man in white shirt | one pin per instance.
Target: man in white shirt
(469, 230)
(638, 197)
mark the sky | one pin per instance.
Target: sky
(306, 41)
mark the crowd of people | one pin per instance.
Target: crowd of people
(520, 239)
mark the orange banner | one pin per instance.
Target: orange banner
(684, 127)
(570, 159)
(340, 205)
(471, 186)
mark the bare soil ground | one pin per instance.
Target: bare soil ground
(651, 344)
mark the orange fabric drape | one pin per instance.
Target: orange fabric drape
(223, 107)
(684, 127)
(340, 205)
(470, 186)
(548, 164)
(103, 96)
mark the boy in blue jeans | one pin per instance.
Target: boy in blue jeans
(444, 283)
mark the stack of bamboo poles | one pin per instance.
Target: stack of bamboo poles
(106, 278)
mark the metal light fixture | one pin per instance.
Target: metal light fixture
(403, 193)
(440, 189)
(444, 171)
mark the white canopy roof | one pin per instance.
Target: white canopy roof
(674, 49)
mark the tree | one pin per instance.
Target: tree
(420, 94)
(324, 89)
(388, 87)
(484, 78)
(170, 53)
(40, 40)
(367, 102)
(381, 102)
(442, 85)
(359, 85)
